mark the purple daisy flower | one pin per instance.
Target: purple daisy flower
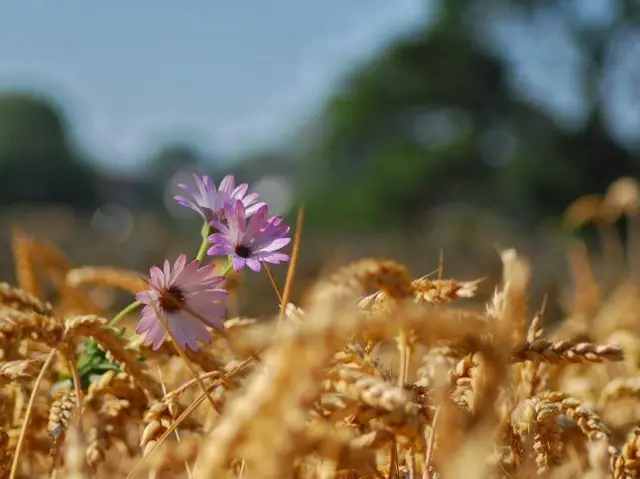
(250, 241)
(207, 201)
(188, 297)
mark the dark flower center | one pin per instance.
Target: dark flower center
(171, 299)
(243, 251)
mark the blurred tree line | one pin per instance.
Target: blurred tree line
(434, 117)
(38, 162)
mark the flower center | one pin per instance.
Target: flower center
(171, 299)
(243, 251)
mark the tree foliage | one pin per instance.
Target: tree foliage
(434, 118)
(38, 163)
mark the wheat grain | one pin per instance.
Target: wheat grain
(21, 300)
(78, 327)
(60, 415)
(129, 281)
(565, 352)
(26, 273)
(322, 393)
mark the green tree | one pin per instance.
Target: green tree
(171, 159)
(38, 163)
(434, 118)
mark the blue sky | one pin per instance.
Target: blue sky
(230, 75)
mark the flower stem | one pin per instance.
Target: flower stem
(32, 399)
(206, 230)
(288, 282)
(227, 269)
(128, 309)
(178, 347)
(274, 283)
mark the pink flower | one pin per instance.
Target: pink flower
(207, 201)
(250, 241)
(189, 299)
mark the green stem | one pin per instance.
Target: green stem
(206, 230)
(227, 268)
(129, 309)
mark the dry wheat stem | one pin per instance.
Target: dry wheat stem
(191, 382)
(430, 446)
(79, 397)
(75, 457)
(164, 390)
(184, 357)
(25, 424)
(186, 413)
(273, 282)
(272, 397)
(295, 251)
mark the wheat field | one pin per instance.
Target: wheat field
(374, 374)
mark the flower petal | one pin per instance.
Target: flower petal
(251, 210)
(240, 191)
(202, 296)
(274, 258)
(238, 263)
(276, 244)
(156, 336)
(167, 272)
(178, 266)
(147, 322)
(227, 184)
(254, 265)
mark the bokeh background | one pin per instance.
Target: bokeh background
(409, 127)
